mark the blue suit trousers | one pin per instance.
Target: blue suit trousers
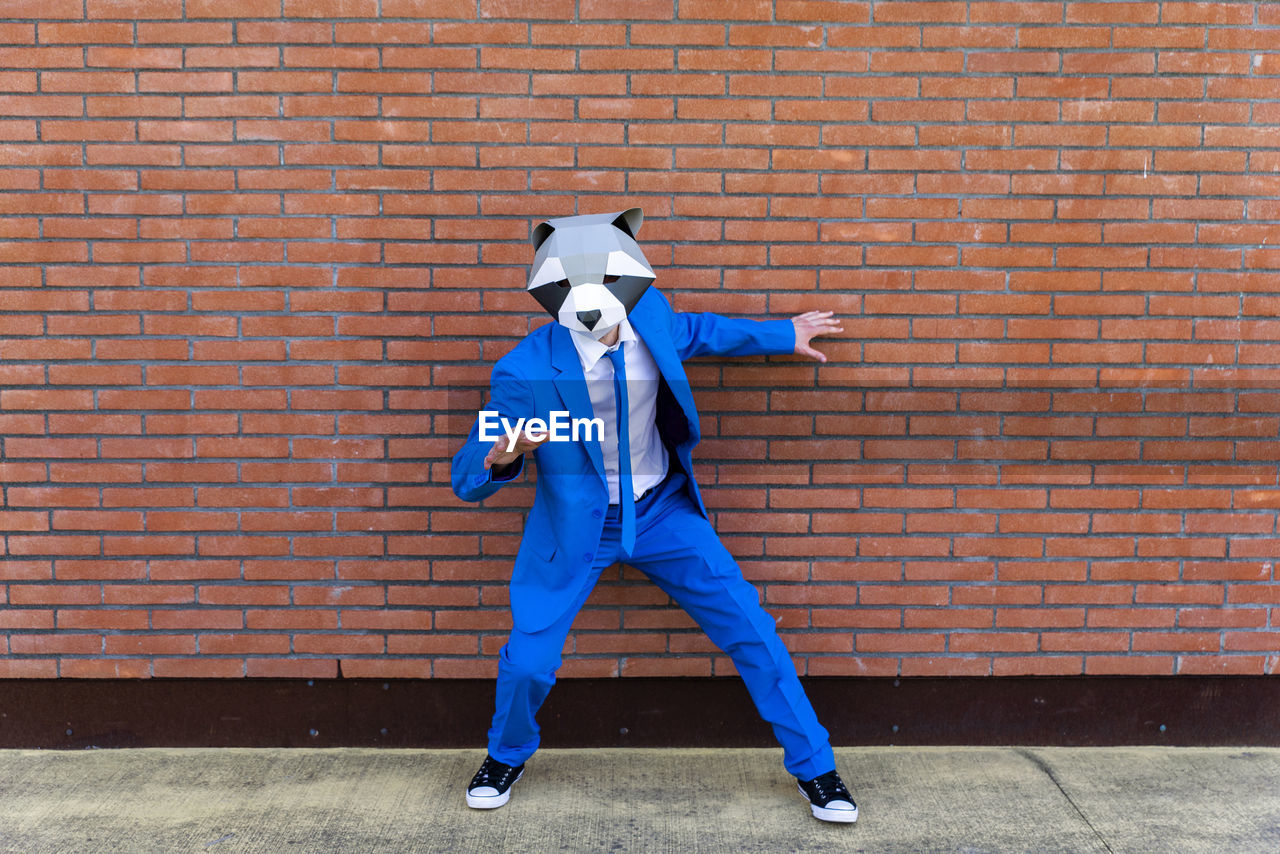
(680, 552)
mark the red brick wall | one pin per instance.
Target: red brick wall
(251, 263)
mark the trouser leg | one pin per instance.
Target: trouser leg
(527, 668)
(683, 555)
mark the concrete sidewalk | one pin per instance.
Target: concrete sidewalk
(917, 800)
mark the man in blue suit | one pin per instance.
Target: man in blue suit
(626, 493)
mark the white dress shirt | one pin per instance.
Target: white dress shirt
(648, 454)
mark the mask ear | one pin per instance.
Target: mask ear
(629, 222)
(541, 233)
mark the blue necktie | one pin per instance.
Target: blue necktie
(626, 495)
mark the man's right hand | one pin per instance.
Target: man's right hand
(499, 456)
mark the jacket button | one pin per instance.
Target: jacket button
(596, 514)
(587, 557)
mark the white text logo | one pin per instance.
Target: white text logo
(558, 427)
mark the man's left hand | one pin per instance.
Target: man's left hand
(810, 325)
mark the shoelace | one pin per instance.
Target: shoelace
(838, 791)
(485, 775)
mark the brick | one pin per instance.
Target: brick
(1148, 665)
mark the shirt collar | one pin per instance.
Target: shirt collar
(590, 350)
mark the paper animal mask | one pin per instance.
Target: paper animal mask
(588, 271)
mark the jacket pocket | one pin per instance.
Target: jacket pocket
(542, 547)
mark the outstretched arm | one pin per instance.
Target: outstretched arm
(711, 334)
(707, 334)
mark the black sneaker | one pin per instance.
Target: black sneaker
(828, 798)
(491, 786)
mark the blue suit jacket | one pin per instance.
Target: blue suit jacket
(543, 374)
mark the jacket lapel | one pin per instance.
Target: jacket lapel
(571, 384)
(650, 328)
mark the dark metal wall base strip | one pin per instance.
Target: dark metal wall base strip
(94, 713)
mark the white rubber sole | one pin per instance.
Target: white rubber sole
(844, 816)
(492, 802)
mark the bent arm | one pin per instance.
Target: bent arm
(471, 479)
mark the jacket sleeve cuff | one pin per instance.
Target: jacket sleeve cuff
(780, 336)
(510, 471)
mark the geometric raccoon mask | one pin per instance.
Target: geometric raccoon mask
(588, 271)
